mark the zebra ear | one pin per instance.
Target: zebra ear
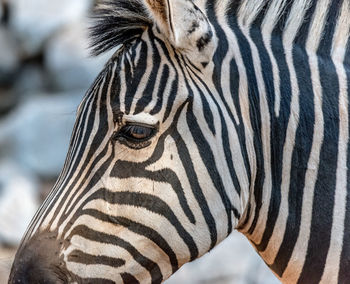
(186, 27)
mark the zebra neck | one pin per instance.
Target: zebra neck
(291, 79)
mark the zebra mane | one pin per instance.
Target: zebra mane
(117, 22)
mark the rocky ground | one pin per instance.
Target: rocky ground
(45, 69)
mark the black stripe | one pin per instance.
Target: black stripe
(79, 152)
(225, 143)
(147, 94)
(254, 111)
(91, 280)
(75, 138)
(234, 90)
(128, 278)
(170, 17)
(344, 271)
(102, 131)
(301, 150)
(323, 203)
(172, 97)
(87, 187)
(175, 83)
(219, 55)
(161, 91)
(208, 114)
(132, 84)
(126, 169)
(151, 203)
(187, 164)
(140, 229)
(87, 233)
(209, 160)
(84, 258)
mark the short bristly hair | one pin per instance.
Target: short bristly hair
(117, 22)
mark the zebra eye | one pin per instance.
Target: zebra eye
(136, 132)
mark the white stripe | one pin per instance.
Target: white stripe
(145, 78)
(249, 10)
(75, 192)
(289, 35)
(269, 22)
(57, 191)
(40, 214)
(297, 259)
(340, 39)
(220, 10)
(265, 134)
(102, 271)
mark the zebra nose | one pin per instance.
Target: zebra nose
(31, 275)
(37, 261)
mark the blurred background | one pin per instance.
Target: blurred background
(45, 69)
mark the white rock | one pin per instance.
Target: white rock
(18, 202)
(37, 133)
(34, 21)
(68, 59)
(233, 261)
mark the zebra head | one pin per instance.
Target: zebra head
(146, 185)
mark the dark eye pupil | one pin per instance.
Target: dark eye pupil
(136, 131)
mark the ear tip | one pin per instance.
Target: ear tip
(186, 27)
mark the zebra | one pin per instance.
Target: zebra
(211, 116)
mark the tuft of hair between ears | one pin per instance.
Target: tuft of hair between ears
(117, 22)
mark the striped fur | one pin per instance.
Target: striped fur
(256, 140)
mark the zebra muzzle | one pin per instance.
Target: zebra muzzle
(38, 261)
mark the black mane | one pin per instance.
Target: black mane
(117, 22)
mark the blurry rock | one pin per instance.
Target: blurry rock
(31, 79)
(9, 61)
(18, 202)
(233, 261)
(68, 61)
(35, 20)
(4, 11)
(37, 133)
(6, 259)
